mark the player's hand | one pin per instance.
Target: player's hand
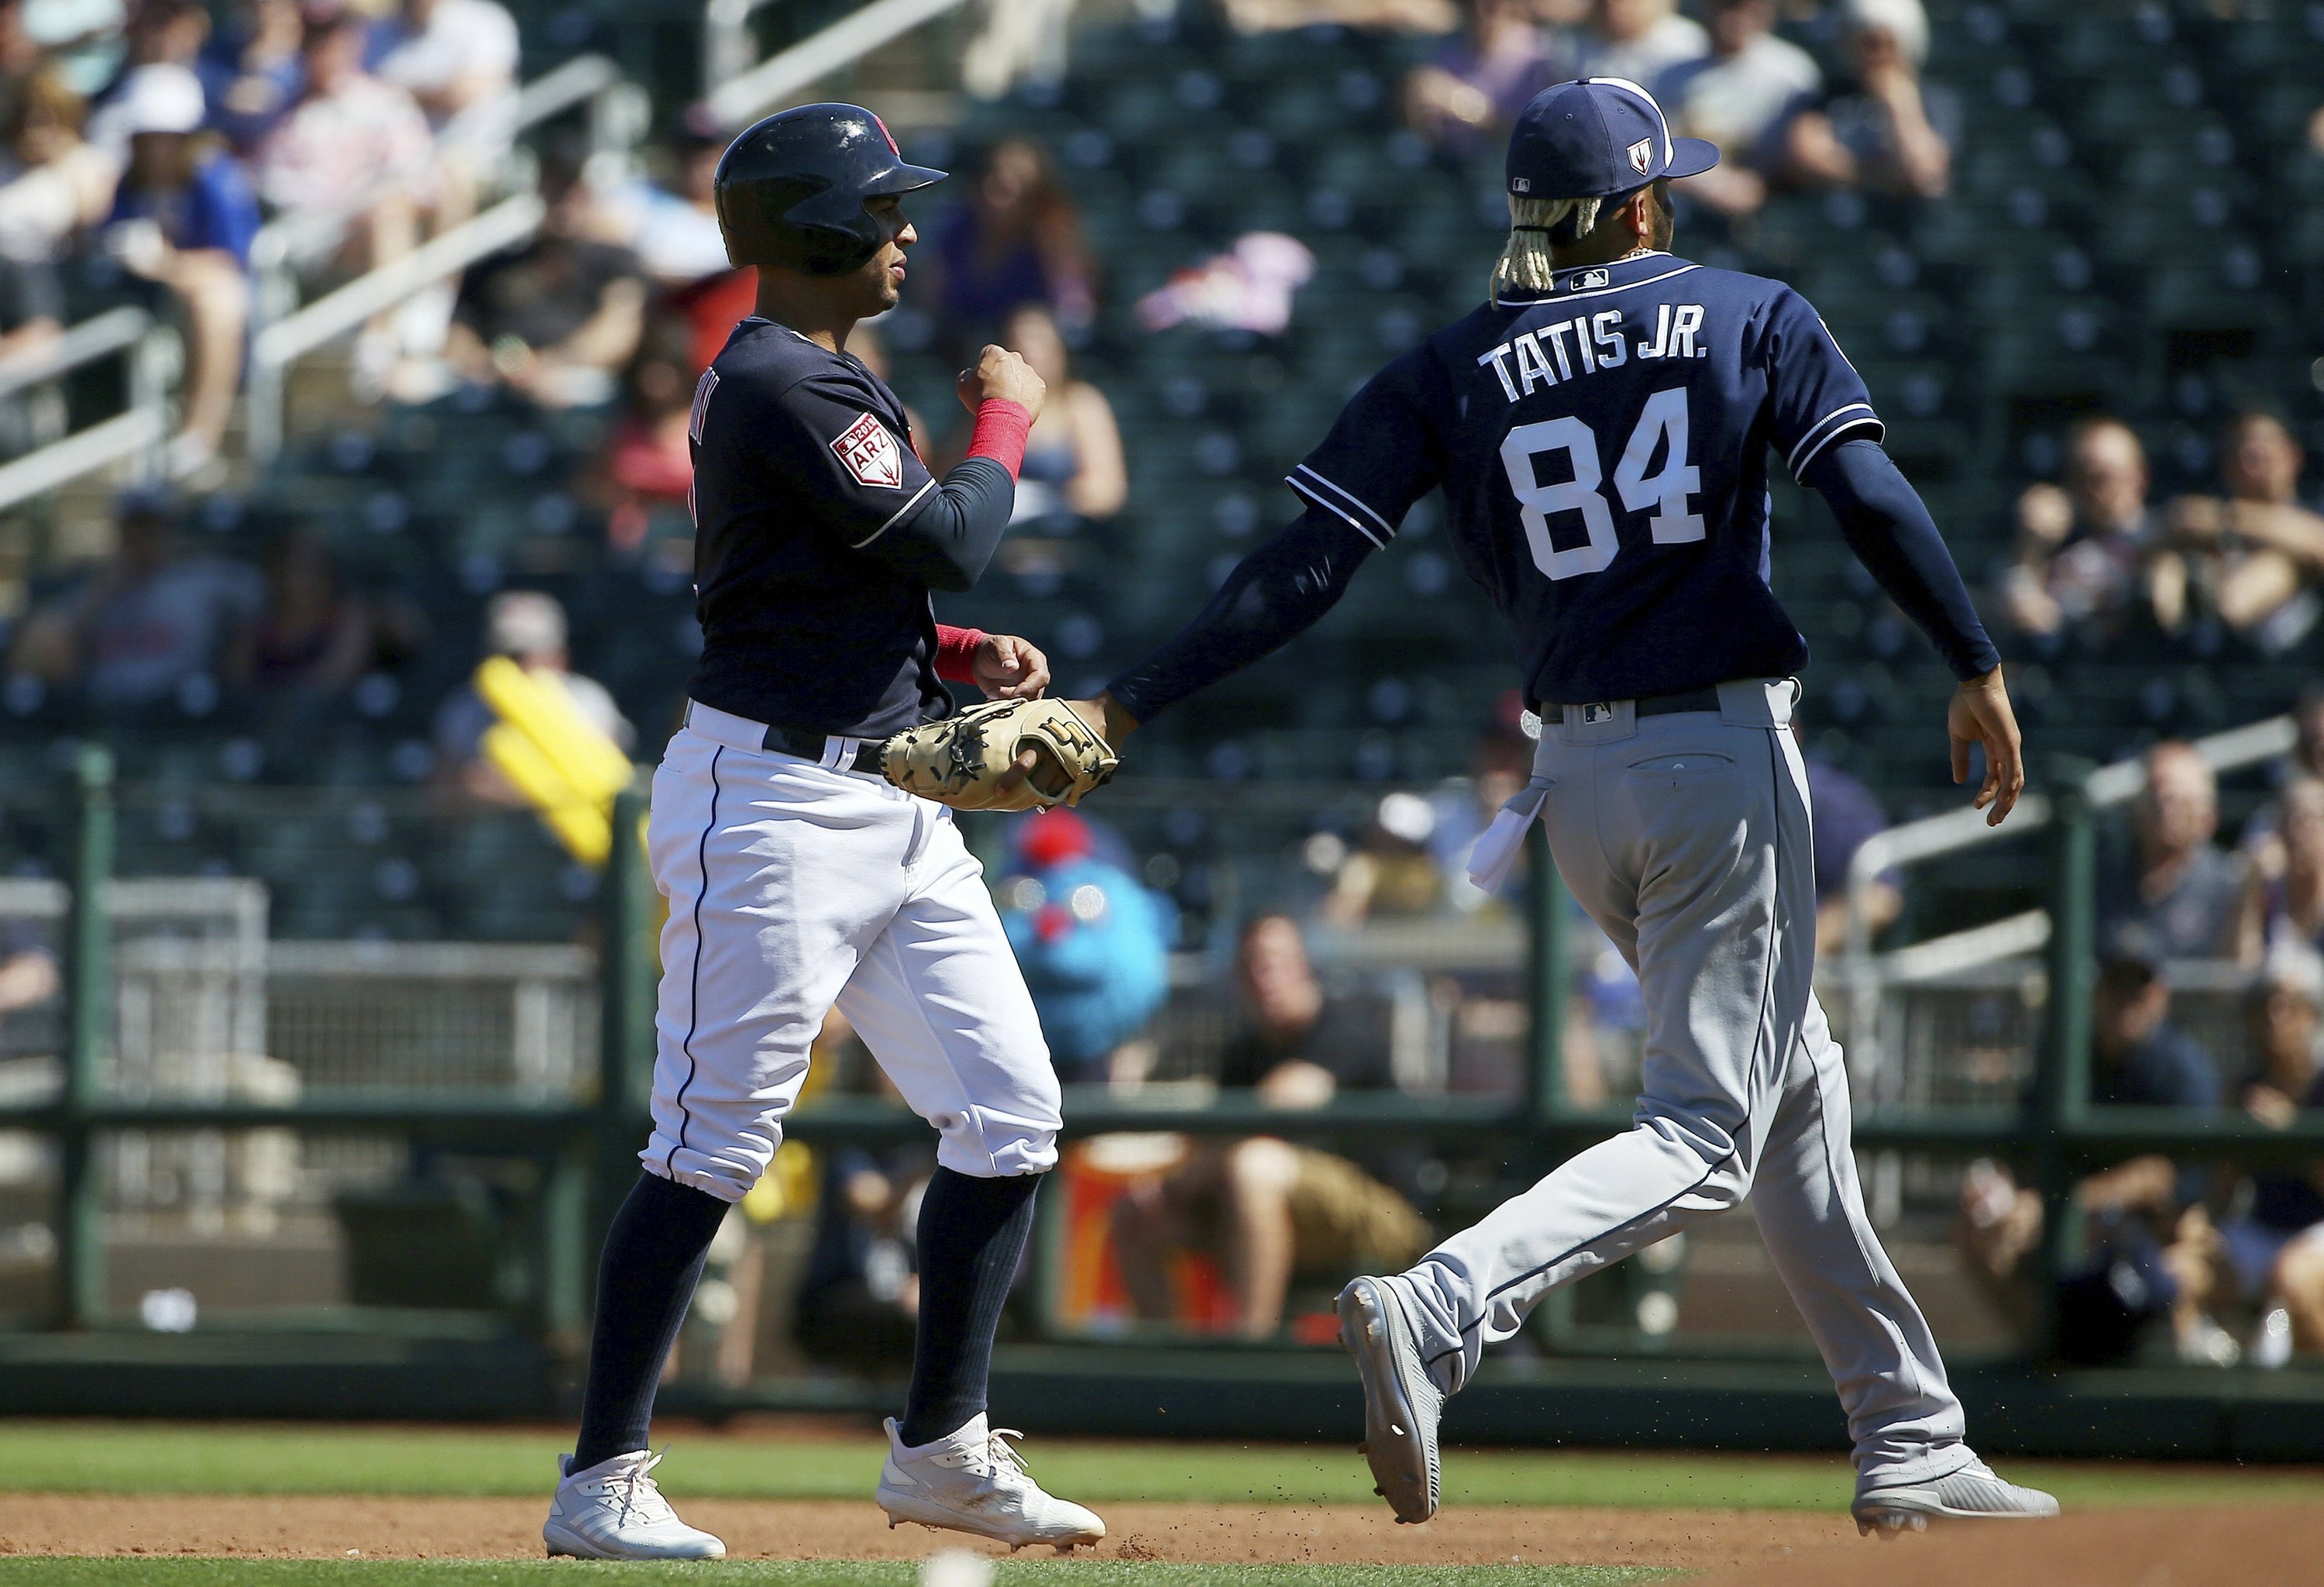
(1980, 715)
(1000, 375)
(1104, 714)
(1009, 669)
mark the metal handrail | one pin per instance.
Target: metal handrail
(1911, 842)
(140, 431)
(91, 339)
(290, 240)
(1864, 973)
(276, 348)
(741, 100)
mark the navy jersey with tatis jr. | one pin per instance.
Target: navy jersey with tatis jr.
(1602, 447)
(802, 460)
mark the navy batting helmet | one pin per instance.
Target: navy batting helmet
(792, 189)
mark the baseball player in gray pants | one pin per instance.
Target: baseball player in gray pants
(1600, 429)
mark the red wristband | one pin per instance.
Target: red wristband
(1002, 427)
(956, 651)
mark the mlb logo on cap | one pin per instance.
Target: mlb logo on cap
(1595, 137)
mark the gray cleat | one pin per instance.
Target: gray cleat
(1973, 1493)
(1401, 1401)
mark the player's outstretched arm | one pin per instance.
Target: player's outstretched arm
(1888, 527)
(1273, 596)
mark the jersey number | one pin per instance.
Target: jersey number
(1673, 524)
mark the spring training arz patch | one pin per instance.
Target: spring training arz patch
(871, 453)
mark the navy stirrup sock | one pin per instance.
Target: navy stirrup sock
(653, 1259)
(972, 1236)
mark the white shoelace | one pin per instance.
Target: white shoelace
(638, 1494)
(1004, 1463)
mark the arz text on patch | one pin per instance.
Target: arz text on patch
(871, 453)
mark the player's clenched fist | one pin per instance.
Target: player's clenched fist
(1009, 669)
(1000, 375)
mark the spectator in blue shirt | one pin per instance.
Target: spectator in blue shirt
(184, 219)
(254, 71)
(1093, 941)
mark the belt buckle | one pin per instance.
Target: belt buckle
(1597, 711)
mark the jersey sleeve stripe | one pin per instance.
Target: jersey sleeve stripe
(902, 513)
(1316, 484)
(1822, 433)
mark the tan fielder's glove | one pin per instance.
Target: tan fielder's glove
(961, 759)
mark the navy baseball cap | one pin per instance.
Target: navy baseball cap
(1596, 137)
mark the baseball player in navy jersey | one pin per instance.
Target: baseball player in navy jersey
(798, 876)
(1600, 429)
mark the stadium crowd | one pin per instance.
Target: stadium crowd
(139, 161)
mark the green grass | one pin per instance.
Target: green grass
(231, 1572)
(125, 1457)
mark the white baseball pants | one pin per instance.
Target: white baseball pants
(1686, 838)
(793, 887)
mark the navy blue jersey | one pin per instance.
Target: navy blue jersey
(1602, 447)
(802, 459)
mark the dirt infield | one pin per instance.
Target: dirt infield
(2273, 1545)
(484, 1529)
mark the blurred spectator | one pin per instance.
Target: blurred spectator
(556, 317)
(32, 317)
(313, 635)
(458, 59)
(1846, 812)
(29, 975)
(1499, 765)
(1270, 1210)
(1638, 40)
(2151, 1244)
(1888, 131)
(147, 622)
(1409, 16)
(54, 185)
(1740, 97)
(2082, 551)
(858, 1301)
(1072, 462)
(2305, 760)
(645, 474)
(528, 627)
(1018, 240)
(254, 71)
(82, 39)
(1477, 84)
(1248, 288)
(672, 224)
(2252, 555)
(1391, 870)
(2273, 1242)
(1093, 943)
(2174, 895)
(353, 142)
(2284, 903)
(184, 217)
(163, 33)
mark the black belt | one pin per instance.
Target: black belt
(1693, 699)
(808, 746)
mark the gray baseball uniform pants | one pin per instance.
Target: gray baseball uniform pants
(1686, 838)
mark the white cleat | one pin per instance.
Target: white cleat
(1401, 1401)
(1973, 1493)
(972, 1481)
(614, 1510)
